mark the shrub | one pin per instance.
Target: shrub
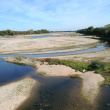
(78, 66)
(19, 58)
(96, 65)
(98, 71)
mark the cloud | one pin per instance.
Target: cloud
(56, 13)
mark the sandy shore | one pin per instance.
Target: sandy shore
(14, 94)
(90, 81)
(22, 44)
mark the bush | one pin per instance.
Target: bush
(98, 71)
(78, 66)
(96, 65)
(19, 58)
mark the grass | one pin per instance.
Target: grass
(42, 73)
(19, 58)
(78, 66)
(97, 66)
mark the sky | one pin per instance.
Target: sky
(53, 15)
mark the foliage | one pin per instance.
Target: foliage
(103, 32)
(78, 66)
(106, 26)
(106, 75)
(19, 58)
(42, 31)
(31, 31)
(96, 65)
(98, 71)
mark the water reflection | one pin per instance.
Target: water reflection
(10, 72)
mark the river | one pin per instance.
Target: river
(54, 93)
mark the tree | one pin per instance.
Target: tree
(30, 31)
(107, 26)
(9, 32)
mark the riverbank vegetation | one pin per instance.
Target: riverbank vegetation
(31, 31)
(102, 32)
(97, 66)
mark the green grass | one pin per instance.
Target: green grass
(19, 58)
(42, 73)
(97, 66)
(79, 66)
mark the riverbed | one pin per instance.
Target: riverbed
(59, 93)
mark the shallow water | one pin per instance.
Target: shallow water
(97, 48)
(8, 37)
(10, 72)
(72, 47)
(54, 93)
(33, 37)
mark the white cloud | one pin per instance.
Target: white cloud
(58, 13)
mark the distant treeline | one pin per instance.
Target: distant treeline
(31, 31)
(102, 32)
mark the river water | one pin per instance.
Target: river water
(54, 93)
(33, 37)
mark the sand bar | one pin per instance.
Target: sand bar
(14, 94)
(22, 44)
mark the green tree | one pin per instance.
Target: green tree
(9, 32)
(30, 31)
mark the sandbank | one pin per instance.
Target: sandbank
(22, 44)
(14, 94)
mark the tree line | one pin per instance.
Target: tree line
(31, 31)
(102, 32)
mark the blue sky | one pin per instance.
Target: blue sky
(53, 15)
